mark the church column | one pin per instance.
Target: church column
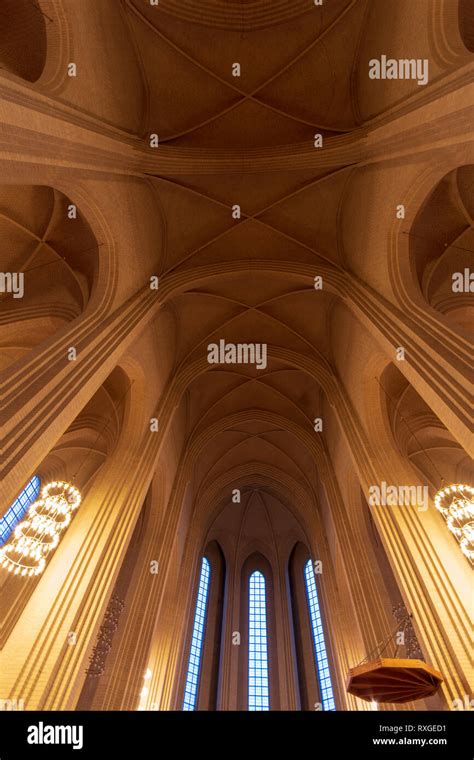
(81, 574)
(365, 589)
(71, 597)
(429, 568)
(437, 363)
(124, 678)
(169, 593)
(344, 642)
(43, 393)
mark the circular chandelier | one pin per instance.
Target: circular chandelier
(456, 504)
(35, 537)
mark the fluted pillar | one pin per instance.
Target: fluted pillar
(437, 362)
(433, 576)
(44, 392)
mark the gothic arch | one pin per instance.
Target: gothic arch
(258, 562)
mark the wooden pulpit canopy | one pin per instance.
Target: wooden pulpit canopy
(393, 680)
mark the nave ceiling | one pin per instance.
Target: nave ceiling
(267, 204)
(246, 140)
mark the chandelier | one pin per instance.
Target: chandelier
(456, 504)
(39, 533)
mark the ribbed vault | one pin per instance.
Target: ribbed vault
(240, 153)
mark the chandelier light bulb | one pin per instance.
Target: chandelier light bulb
(468, 531)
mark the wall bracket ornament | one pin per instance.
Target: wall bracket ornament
(409, 639)
(103, 646)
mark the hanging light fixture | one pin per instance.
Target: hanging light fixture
(39, 533)
(456, 504)
(394, 680)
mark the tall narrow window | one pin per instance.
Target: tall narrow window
(320, 654)
(192, 677)
(18, 509)
(259, 693)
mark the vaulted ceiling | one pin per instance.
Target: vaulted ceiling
(37, 237)
(170, 70)
(251, 423)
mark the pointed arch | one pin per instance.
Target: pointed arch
(320, 652)
(208, 694)
(257, 600)
(199, 625)
(310, 648)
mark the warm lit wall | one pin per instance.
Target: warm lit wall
(165, 436)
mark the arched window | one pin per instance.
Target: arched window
(18, 508)
(192, 677)
(258, 688)
(320, 654)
